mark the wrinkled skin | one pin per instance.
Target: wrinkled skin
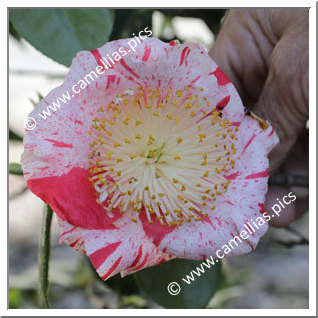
(265, 54)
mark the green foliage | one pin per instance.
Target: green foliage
(123, 285)
(61, 33)
(35, 102)
(15, 168)
(155, 280)
(129, 21)
(14, 136)
(15, 298)
(13, 32)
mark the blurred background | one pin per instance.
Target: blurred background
(274, 276)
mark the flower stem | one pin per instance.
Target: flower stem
(44, 257)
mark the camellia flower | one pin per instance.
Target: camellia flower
(155, 159)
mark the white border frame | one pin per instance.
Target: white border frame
(174, 312)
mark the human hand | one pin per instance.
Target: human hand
(265, 54)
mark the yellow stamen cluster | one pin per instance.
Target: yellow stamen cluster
(162, 152)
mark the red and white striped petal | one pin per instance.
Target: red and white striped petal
(122, 248)
(71, 235)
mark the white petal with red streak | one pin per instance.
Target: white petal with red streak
(125, 248)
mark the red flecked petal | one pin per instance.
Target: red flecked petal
(72, 235)
(125, 249)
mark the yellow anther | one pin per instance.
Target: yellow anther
(138, 122)
(120, 160)
(169, 116)
(176, 158)
(174, 103)
(138, 136)
(174, 180)
(116, 144)
(206, 174)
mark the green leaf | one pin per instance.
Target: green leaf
(14, 136)
(155, 280)
(15, 298)
(129, 21)
(13, 32)
(15, 168)
(60, 33)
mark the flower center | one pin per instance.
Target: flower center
(161, 154)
